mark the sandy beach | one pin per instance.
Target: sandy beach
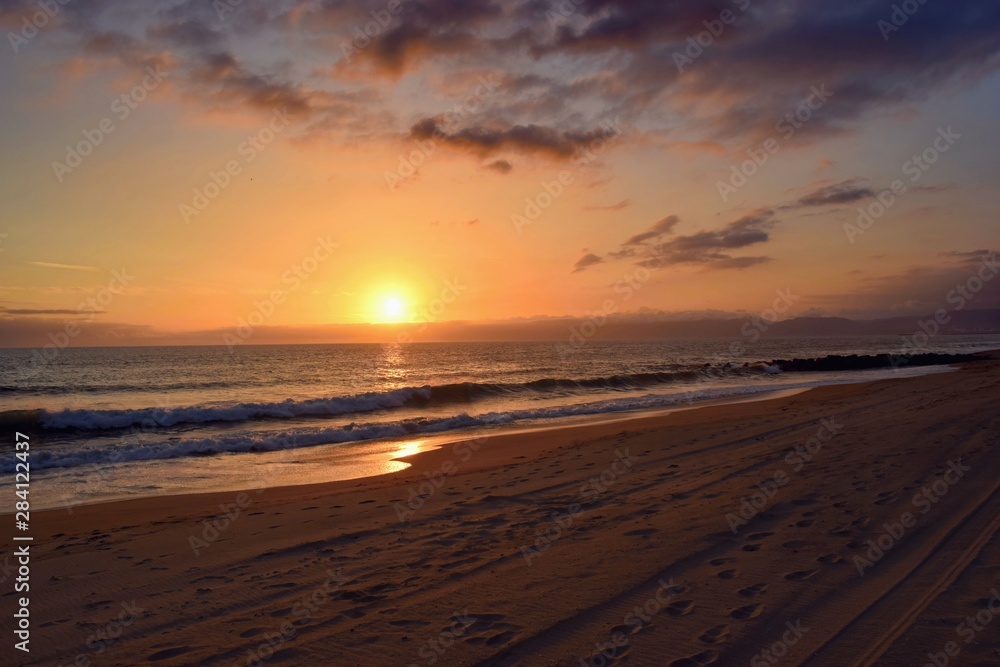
(846, 525)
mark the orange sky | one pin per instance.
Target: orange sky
(243, 164)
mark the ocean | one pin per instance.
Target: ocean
(122, 422)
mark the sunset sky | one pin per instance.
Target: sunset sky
(181, 165)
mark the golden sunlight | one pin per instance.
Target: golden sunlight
(393, 310)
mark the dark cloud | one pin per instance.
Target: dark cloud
(501, 166)
(391, 43)
(585, 262)
(971, 256)
(659, 228)
(748, 230)
(840, 193)
(186, 33)
(527, 139)
(756, 72)
(711, 249)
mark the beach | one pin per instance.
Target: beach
(844, 525)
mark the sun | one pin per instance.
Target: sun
(392, 309)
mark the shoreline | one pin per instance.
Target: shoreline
(524, 536)
(371, 458)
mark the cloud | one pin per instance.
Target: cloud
(44, 311)
(501, 166)
(587, 261)
(845, 192)
(526, 139)
(70, 267)
(620, 206)
(659, 228)
(708, 249)
(758, 70)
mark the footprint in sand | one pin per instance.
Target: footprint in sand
(406, 623)
(500, 639)
(626, 630)
(728, 574)
(805, 523)
(751, 547)
(251, 632)
(680, 608)
(886, 497)
(644, 532)
(759, 536)
(499, 632)
(703, 658)
(168, 653)
(716, 635)
(747, 612)
(752, 591)
(830, 559)
(721, 561)
(801, 575)
(794, 545)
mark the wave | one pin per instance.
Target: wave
(412, 397)
(304, 437)
(463, 392)
(70, 456)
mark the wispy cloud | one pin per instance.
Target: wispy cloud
(620, 206)
(70, 267)
(587, 261)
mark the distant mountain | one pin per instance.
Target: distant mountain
(624, 327)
